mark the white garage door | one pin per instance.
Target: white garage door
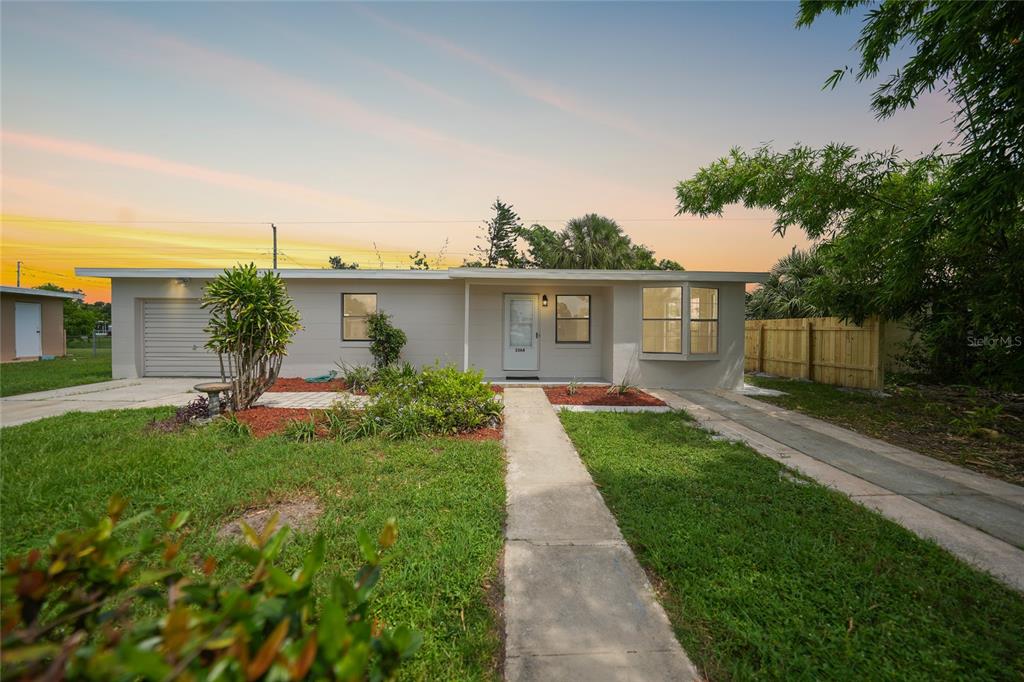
(173, 340)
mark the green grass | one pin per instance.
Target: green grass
(764, 576)
(447, 495)
(931, 420)
(79, 367)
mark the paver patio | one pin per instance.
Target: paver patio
(578, 606)
(977, 518)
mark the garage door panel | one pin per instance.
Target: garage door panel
(174, 341)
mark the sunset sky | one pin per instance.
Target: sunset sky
(173, 134)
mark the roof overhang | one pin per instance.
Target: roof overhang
(471, 274)
(25, 291)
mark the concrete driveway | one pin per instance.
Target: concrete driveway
(108, 395)
(980, 519)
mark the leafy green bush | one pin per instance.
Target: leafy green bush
(395, 373)
(437, 400)
(98, 607)
(386, 340)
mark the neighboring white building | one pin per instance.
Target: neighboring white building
(653, 328)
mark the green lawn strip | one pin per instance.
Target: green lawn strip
(448, 497)
(764, 576)
(922, 419)
(79, 367)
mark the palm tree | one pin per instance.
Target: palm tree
(786, 293)
(595, 242)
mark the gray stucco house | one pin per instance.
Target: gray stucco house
(656, 328)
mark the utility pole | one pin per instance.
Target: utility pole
(274, 228)
(19, 273)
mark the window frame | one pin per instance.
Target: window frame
(588, 318)
(691, 319)
(683, 322)
(376, 308)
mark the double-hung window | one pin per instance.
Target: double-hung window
(703, 320)
(572, 319)
(354, 310)
(662, 320)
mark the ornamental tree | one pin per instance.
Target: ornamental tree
(252, 321)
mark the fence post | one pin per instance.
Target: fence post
(809, 330)
(760, 347)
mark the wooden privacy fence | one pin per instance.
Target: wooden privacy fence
(822, 349)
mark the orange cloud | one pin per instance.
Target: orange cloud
(91, 152)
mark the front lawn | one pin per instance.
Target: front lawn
(973, 428)
(447, 495)
(766, 575)
(79, 367)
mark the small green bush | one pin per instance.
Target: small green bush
(438, 400)
(395, 373)
(95, 606)
(357, 377)
(301, 430)
(386, 340)
(231, 425)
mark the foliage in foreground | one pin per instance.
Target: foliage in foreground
(100, 607)
(766, 575)
(252, 321)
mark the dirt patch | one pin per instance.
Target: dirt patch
(599, 395)
(300, 515)
(266, 421)
(486, 433)
(300, 385)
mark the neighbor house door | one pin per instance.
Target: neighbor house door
(522, 335)
(28, 330)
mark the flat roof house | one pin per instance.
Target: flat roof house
(32, 323)
(654, 328)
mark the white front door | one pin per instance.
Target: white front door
(522, 335)
(28, 330)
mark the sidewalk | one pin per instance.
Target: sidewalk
(577, 604)
(977, 518)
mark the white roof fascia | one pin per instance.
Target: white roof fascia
(25, 291)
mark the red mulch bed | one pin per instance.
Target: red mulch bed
(300, 385)
(599, 395)
(497, 389)
(481, 434)
(266, 421)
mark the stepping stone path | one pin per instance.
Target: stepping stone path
(578, 606)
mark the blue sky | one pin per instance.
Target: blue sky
(177, 130)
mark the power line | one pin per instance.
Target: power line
(349, 221)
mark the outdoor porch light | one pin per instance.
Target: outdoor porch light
(544, 300)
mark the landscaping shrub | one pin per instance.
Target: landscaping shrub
(96, 605)
(386, 340)
(357, 377)
(197, 409)
(252, 321)
(301, 430)
(437, 400)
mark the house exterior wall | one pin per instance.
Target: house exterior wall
(52, 322)
(487, 330)
(429, 312)
(432, 314)
(724, 370)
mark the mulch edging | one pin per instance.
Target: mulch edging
(300, 385)
(268, 421)
(599, 395)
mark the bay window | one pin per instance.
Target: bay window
(703, 320)
(662, 320)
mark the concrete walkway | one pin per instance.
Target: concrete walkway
(977, 518)
(106, 395)
(578, 606)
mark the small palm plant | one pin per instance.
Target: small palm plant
(573, 388)
(252, 321)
